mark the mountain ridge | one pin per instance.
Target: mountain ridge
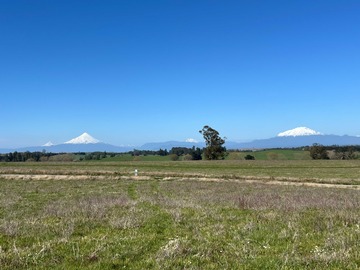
(87, 143)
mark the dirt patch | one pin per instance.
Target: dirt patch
(68, 177)
(281, 181)
(308, 184)
(293, 182)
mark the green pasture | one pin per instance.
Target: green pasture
(275, 154)
(268, 154)
(179, 215)
(323, 171)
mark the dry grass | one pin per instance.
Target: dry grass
(108, 220)
(338, 170)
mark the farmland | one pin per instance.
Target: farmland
(232, 214)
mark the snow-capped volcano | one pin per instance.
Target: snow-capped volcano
(48, 144)
(191, 140)
(299, 131)
(84, 138)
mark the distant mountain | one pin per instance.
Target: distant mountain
(84, 143)
(49, 143)
(298, 141)
(84, 138)
(72, 148)
(6, 150)
(299, 131)
(297, 137)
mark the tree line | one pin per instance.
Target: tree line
(25, 156)
(175, 153)
(194, 153)
(318, 151)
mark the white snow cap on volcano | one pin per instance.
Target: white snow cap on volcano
(48, 144)
(191, 140)
(84, 138)
(299, 131)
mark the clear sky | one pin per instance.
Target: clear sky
(131, 72)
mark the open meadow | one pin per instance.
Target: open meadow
(232, 214)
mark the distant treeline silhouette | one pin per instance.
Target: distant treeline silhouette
(195, 153)
(332, 152)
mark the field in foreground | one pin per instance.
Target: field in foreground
(178, 215)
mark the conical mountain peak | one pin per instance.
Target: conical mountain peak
(49, 143)
(84, 138)
(299, 131)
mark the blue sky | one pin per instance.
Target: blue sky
(131, 72)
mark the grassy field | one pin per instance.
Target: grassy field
(274, 154)
(320, 171)
(180, 215)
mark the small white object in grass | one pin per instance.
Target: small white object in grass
(136, 172)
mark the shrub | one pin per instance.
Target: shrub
(174, 157)
(188, 157)
(249, 157)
